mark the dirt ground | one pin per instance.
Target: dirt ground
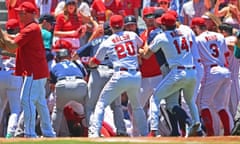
(177, 140)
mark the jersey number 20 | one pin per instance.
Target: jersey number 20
(125, 49)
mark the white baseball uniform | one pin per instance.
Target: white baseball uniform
(234, 65)
(122, 48)
(216, 82)
(196, 59)
(10, 88)
(176, 48)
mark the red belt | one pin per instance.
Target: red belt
(183, 67)
(125, 69)
(213, 65)
(12, 68)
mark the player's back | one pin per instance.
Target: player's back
(176, 48)
(122, 49)
(212, 48)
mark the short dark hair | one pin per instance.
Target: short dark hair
(226, 27)
(49, 18)
(171, 27)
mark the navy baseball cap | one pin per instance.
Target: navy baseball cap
(158, 12)
(130, 20)
(49, 18)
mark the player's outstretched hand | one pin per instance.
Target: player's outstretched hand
(75, 56)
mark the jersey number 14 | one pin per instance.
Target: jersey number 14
(184, 45)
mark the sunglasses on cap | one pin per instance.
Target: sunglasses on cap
(149, 16)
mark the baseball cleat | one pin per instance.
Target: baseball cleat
(122, 134)
(236, 129)
(92, 133)
(9, 135)
(194, 130)
(154, 133)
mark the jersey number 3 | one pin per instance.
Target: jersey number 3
(184, 45)
(214, 50)
(125, 49)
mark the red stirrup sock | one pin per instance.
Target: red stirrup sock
(208, 122)
(225, 121)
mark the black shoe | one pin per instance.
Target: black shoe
(194, 130)
(236, 129)
(122, 134)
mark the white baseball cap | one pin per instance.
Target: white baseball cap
(84, 9)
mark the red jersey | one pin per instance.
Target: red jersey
(130, 5)
(72, 23)
(31, 57)
(100, 9)
(12, 14)
(149, 67)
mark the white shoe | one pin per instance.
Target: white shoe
(92, 133)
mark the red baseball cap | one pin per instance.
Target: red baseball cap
(148, 11)
(27, 6)
(116, 21)
(62, 44)
(198, 21)
(12, 24)
(173, 12)
(168, 19)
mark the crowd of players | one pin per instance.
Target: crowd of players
(192, 90)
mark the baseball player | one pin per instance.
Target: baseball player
(234, 64)
(121, 47)
(236, 52)
(130, 24)
(31, 63)
(182, 116)
(212, 22)
(176, 48)
(151, 68)
(12, 83)
(68, 78)
(216, 82)
(98, 78)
